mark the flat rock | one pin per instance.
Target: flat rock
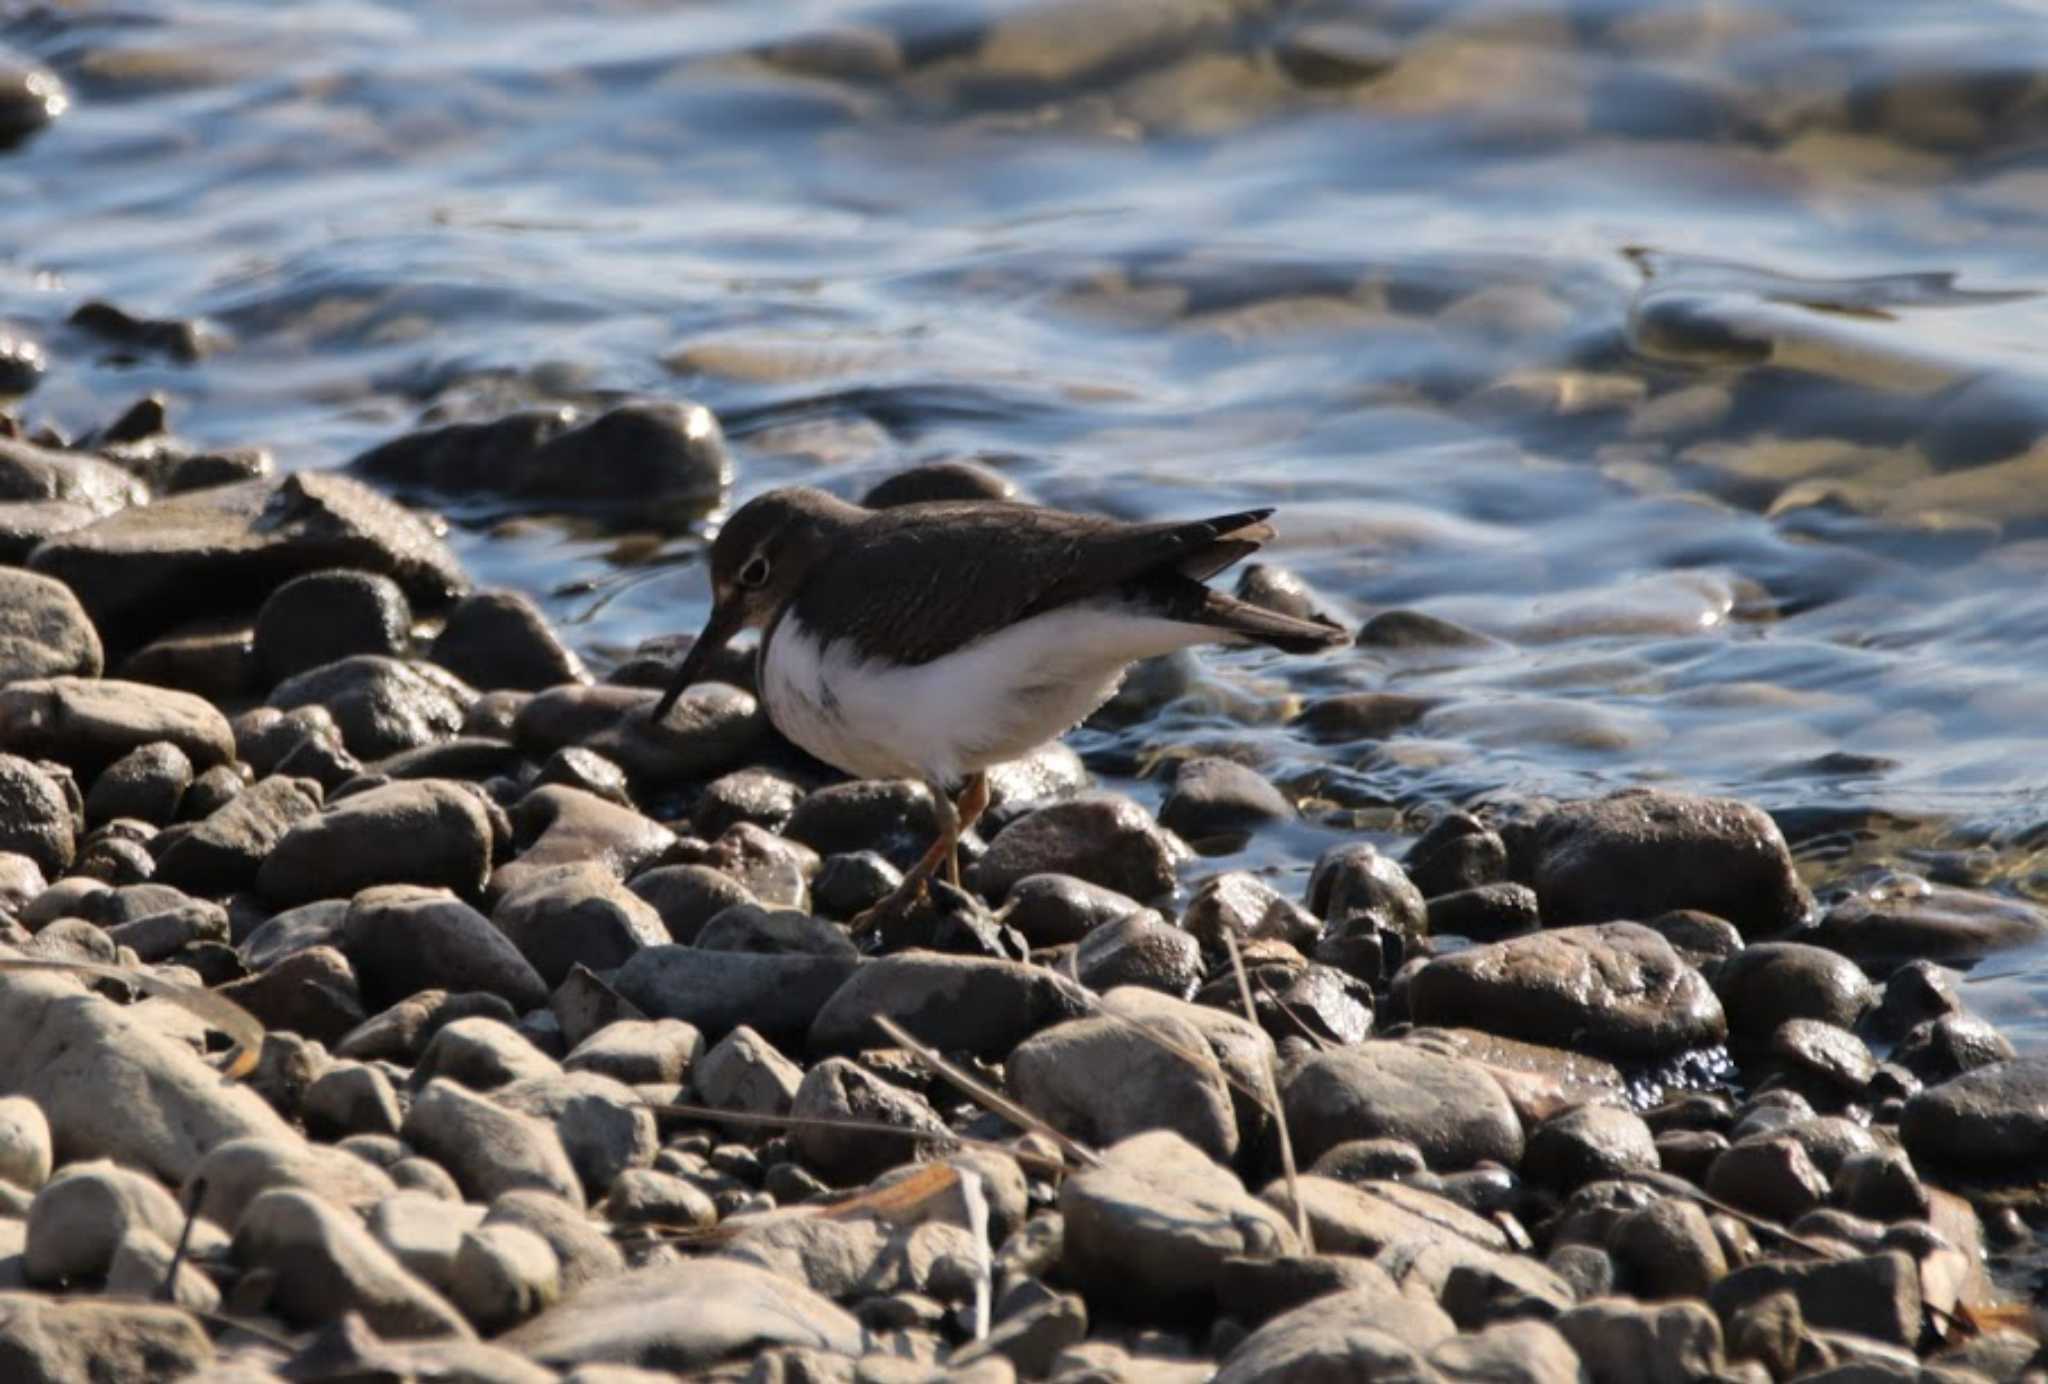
(325, 1263)
(427, 832)
(644, 1052)
(1640, 853)
(88, 723)
(139, 570)
(1617, 989)
(1152, 1225)
(44, 631)
(1103, 838)
(402, 939)
(679, 1316)
(954, 1003)
(1906, 918)
(1446, 1106)
(716, 992)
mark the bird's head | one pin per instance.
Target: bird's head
(759, 560)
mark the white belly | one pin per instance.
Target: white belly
(990, 701)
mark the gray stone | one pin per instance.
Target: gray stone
(504, 1274)
(323, 617)
(44, 632)
(1589, 1144)
(689, 896)
(51, 1339)
(1152, 1225)
(424, 1233)
(26, 1155)
(744, 1072)
(604, 1127)
(1214, 797)
(1876, 1295)
(235, 1173)
(481, 1054)
(1361, 1333)
(1446, 1106)
(351, 1098)
(489, 1148)
(1140, 948)
(79, 1218)
(1668, 1250)
(679, 1316)
(836, 1089)
(1620, 1341)
(1242, 906)
(954, 1003)
(424, 832)
(566, 826)
(381, 704)
(579, 914)
(146, 784)
(585, 1252)
(648, 1196)
(640, 1052)
(402, 939)
(325, 1263)
(1103, 838)
(715, 992)
(88, 723)
(35, 817)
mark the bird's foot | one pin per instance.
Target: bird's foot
(914, 893)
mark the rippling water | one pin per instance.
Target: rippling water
(1688, 352)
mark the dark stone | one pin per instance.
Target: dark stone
(1487, 913)
(748, 927)
(208, 552)
(954, 1003)
(1103, 838)
(716, 992)
(640, 456)
(587, 770)
(1446, 1106)
(1240, 905)
(1588, 1144)
(212, 657)
(1643, 852)
(381, 705)
(425, 832)
(1876, 1295)
(1358, 889)
(1053, 909)
(176, 338)
(402, 939)
(940, 480)
(1770, 982)
(580, 914)
(1770, 1175)
(1363, 715)
(1457, 852)
(1140, 948)
(311, 992)
(1991, 1120)
(324, 617)
(1904, 918)
(35, 817)
(1941, 1048)
(853, 882)
(1220, 798)
(497, 639)
(689, 896)
(147, 784)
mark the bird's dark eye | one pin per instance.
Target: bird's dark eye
(755, 573)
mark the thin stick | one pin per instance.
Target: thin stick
(1244, 994)
(217, 1011)
(709, 1114)
(195, 1192)
(985, 1096)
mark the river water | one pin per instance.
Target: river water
(1685, 355)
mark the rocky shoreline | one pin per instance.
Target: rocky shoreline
(1667, 1116)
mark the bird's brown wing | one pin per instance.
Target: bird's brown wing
(928, 578)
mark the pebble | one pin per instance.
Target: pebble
(1102, 838)
(745, 1072)
(351, 1098)
(1357, 888)
(954, 1003)
(1243, 906)
(78, 1218)
(1100, 1079)
(489, 1148)
(324, 617)
(403, 939)
(44, 631)
(1053, 909)
(1140, 948)
(569, 915)
(1988, 1121)
(500, 639)
(1643, 852)
(566, 826)
(88, 723)
(1220, 798)
(323, 1262)
(603, 1125)
(226, 850)
(640, 1052)
(426, 832)
(1447, 1107)
(236, 1172)
(1617, 989)
(146, 784)
(688, 896)
(381, 705)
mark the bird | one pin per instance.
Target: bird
(935, 640)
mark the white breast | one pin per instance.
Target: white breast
(990, 701)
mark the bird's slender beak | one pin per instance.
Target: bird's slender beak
(718, 631)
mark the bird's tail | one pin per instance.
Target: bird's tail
(1184, 599)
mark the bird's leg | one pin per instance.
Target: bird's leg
(916, 884)
(972, 803)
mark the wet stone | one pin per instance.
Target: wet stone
(1906, 918)
(1939, 1049)
(1457, 852)
(589, 772)
(1990, 1121)
(1914, 993)
(202, 553)
(851, 883)
(893, 816)
(499, 639)
(1617, 989)
(1103, 838)
(1053, 909)
(1243, 906)
(381, 705)
(1140, 948)
(1485, 913)
(1770, 982)
(760, 796)
(1769, 1175)
(659, 454)
(1357, 888)
(324, 617)
(1701, 938)
(940, 480)
(147, 783)
(555, 826)
(1220, 798)
(1589, 1144)
(1363, 715)
(1821, 1050)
